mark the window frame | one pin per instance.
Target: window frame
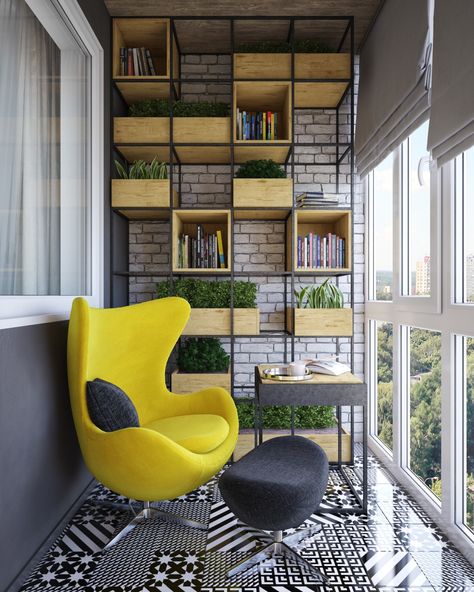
(16, 311)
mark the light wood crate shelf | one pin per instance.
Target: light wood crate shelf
(141, 130)
(143, 198)
(337, 221)
(186, 221)
(319, 322)
(216, 321)
(263, 193)
(183, 382)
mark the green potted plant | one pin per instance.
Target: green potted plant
(202, 362)
(262, 183)
(320, 312)
(210, 305)
(317, 423)
(313, 59)
(142, 185)
(148, 122)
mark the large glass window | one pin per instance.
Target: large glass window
(381, 205)
(466, 381)
(384, 424)
(424, 425)
(416, 251)
(464, 221)
(45, 153)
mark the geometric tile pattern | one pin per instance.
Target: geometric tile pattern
(394, 547)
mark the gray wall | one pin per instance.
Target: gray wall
(41, 470)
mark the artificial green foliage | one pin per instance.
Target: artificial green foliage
(327, 295)
(150, 108)
(201, 109)
(280, 417)
(204, 294)
(204, 354)
(161, 108)
(301, 46)
(261, 169)
(141, 170)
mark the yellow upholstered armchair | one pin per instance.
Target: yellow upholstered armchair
(182, 440)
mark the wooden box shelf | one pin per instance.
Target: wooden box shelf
(143, 198)
(152, 33)
(265, 96)
(186, 222)
(141, 130)
(216, 321)
(183, 382)
(322, 222)
(263, 193)
(319, 322)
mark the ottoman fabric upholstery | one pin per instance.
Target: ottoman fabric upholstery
(278, 485)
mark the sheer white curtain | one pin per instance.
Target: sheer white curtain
(29, 154)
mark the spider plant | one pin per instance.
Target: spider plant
(141, 170)
(326, 295)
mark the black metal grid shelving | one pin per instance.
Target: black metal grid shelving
(344, 151)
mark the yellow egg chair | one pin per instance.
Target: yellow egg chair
(182, 441)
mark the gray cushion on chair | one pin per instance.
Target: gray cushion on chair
(278, 485)
(110, 408)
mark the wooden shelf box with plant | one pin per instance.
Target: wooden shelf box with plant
(262, 184)
(316, 423)
(202, 362)
(313, 60)
(140, 187)
(320, 223)
(210, 306)
(319, 312)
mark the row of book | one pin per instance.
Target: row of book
(257, 125)
(136, 61)
(321, 252)
(316, 199)
(204, 251)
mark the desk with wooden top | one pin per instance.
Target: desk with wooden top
(322, 389)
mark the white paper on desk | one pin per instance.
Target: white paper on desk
(328, 367)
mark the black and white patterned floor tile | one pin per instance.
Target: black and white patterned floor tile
(395, 547)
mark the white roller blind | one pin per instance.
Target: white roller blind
(393, 95)
(452, 105)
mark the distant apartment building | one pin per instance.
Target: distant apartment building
(422, 278)
(470, 277)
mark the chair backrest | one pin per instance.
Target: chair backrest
(128, 346)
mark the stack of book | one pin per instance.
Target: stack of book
(136, 61)
(316, 199)
(257, 125)
(321, 252)
(205, 251)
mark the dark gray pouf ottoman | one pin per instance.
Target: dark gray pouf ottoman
(276, 486)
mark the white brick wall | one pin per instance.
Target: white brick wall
(260, 245)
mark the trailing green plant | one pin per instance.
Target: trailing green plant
(261, 169)
(203, 354)
(301, 46)
(327, 295)
(279, 418)
(142, 170)
(209, 294)
(150, 108)
(161, 108)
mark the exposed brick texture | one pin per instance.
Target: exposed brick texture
(259, 245)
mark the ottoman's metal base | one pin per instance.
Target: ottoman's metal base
(280, 547)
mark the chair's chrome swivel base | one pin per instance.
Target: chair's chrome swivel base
(280, 547)
(146, 513)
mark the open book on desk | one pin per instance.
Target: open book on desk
(330, 367)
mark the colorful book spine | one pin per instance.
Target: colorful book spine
(220, 248)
